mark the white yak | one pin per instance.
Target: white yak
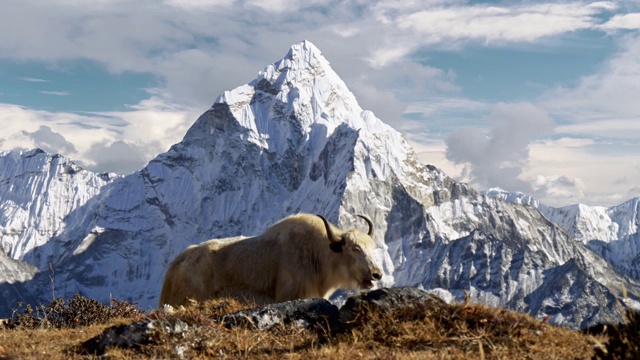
(302, 256)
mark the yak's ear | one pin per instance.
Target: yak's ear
(336, 246)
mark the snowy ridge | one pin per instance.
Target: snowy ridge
(296, 140)
(611, 232)
(514, 197)
(583, 222)
(37, 192)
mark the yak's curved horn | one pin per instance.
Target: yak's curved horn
(330, 234)
(370, 233)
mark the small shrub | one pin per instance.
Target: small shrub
(79, 311)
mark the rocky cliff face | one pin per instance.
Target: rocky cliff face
(296, 140)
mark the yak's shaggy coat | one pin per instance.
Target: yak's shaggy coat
(301, 256)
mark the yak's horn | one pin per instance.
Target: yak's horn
(330, 234)
(370, 224)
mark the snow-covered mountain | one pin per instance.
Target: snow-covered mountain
(296, 140)
(38, 194)
(612, 232)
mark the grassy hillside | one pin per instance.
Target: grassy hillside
(447, 331)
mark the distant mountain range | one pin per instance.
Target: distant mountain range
(611, 232)
(296, 140)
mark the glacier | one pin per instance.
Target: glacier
(292, 140)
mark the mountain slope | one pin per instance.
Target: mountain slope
(296, 140)
(37, 193)
(612, 232)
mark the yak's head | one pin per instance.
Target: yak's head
(356, 248)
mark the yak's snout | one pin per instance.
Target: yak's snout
(375, 275)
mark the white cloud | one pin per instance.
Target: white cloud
(198, 4)
(49, 140)
(558, 190)
(449, 25)
(492, 23)
(569, 143)
(622, 21)
(604, 173)
(439, 106)
(31, 79)
(346, 31)
(609, 128)
(386, 55)
(56, 93)
(500, 157)
(119, 156)
(604, 103)
(279, 5)
(154, 123)
(606, 5)
(600, 128)
(434, 152)
(98, 141)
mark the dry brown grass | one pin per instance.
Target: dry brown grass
(470, 331)
(458, 331)
(50, 344)
(623, 340)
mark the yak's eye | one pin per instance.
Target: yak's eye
(357, 248)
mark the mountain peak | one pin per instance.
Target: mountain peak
(293, 96)
(304, 55)
(302, 65)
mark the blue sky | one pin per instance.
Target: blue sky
(534, 96)
(77, 85)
